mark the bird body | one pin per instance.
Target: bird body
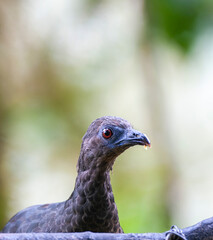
(91, 206)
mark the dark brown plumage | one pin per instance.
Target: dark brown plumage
(91, 206)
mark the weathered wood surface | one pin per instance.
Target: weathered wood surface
(201, 231)
(81, 236)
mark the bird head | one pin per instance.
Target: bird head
(105, 139)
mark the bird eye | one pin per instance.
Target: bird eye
(107, 133)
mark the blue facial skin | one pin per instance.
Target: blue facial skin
(124, 137)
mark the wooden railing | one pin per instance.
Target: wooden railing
(201, 231)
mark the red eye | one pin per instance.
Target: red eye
(107, 133)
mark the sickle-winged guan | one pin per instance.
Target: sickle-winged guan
(91, 206)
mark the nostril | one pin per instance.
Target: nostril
(136, 135)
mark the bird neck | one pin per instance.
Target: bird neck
(94, 197)
(97, 163)
(94, 181)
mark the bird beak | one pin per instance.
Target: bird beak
(137, 138)
(134, 137)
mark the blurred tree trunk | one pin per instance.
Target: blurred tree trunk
(157, 111)
(3, 191)
(8, 26)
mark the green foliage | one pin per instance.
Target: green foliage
(141, 197)
(90, 6)
(178, 21)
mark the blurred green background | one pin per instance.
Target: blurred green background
(65, 63)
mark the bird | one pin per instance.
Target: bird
(91, 206)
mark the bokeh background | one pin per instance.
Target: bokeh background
(65, 63)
